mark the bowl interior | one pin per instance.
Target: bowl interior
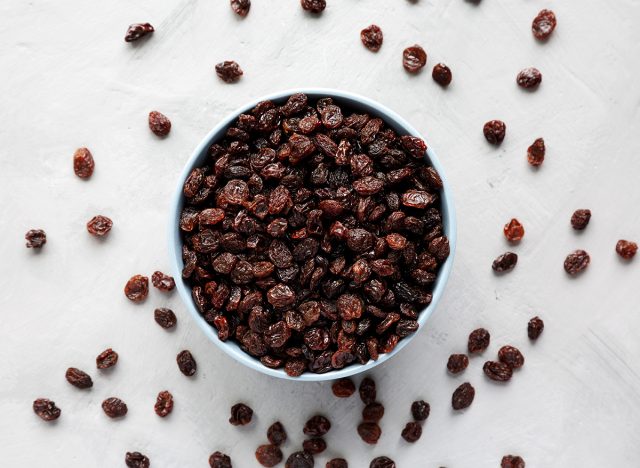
(353, 102)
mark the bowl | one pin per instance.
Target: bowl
(357, 103)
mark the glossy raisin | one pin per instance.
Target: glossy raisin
(114, 407)
(626, 249)
(136, 460)
(580, 219)
(369, 432)
(536, 152)
(505, 262)
(529, 78)
(137, 288)
(498, 371)
(420, 410)
(138, 31)
(106, 359)
(576, 262)
(343, 388)
(269, 455)
(494, 131)
(543, 24)
(159, 123)
(382, 462)
(99, 226)
(372, 38)
(442, 74)
(78, 378)
(512, 461)
(164, 403)
(277, 434)
(367, 390)
(228, 71)
(317, 426)
(513, 230)
(373, 412)
(314, 446)
(457, 363)
(36, 238)
(463, 396)
(414, 58)
(241, 7)
(535, 328)
(46, 409)
(219, 460)
(83, 163)
(186, 363)
(241, 415)
(313, 6)
(479, 340)
(337, 463)
(412, 432)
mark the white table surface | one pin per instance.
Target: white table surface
(69, 80)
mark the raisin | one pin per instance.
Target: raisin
(343, 388)
(371, 37)
(442, 74)
(163, 282)
(373, 412)
(314, 446)
(314, 6)
(367, 390)
(106, 359)
(420, 410)
(543, 24)
(457, 363)
(99, 226)
(369, 432)
(46, 409)
(137, 31)
(136, 460)
(576, 262)
(535, 152)
(580, 219)
(337, 463)
(317, 426)
(505, 262)
(495, 131)
(535, 328)
(159, 123)
(164, 317)
(497, 371)
(463, 396)
(414, 58)
(511, 356)
(36, 238)
(276, 434)
(412, 432)
(219, 460)
(529, 78)
(78, 378)
(228, 71)
(241, 7)
(114, 407)
(514, 230)
(382, 462)
(186, 363)
(164, 403)
(478, 340)
(241, 415)
(137, 288)
(268, 455)
(512, 461)
(626, 249)
(299, 460)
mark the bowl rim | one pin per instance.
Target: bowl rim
(175, 242)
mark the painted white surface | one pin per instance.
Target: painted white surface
(68, 80)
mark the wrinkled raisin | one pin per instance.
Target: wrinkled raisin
(529, 78)
(420, 410)
(299, 460)
(314, 6)
(382, 462)
(99, 226)
(317, 426)
(442, 74)
(137, 288)
(241, 415)
(83, 163)
(576, 262)
(78, 378)
(164, 317)
(343, 388)
(513, 230)
(543, 24)
(373, 412)
(412, 432)
(463, 396)
(228, 71)
(414, 58)
(36, 238)
(159, 123)
(371, 37)
(512, 461)
(314, 446)
(535, 328)
(219, 460)
(163, 282)
(369, 432)
(46, 409)
(457, 363)
(626, 249)
(505, 262)
(164, 403)
(478, 340)
(337, 463)
(498, 371)
(106, 359)
(268, 455)
(114, 407)
(276, 434)
(137, 31)
(536, 152)
(580, 219)
(511, 356)
(494, 131)
(367, 390)
(186, 363)
(241, 7)
(136, 460)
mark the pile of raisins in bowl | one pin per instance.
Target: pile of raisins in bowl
(313, 235)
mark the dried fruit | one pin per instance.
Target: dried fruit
(442, 74)
(314, 6)
(299, 460)
(106, 359)
(46, 409)
(337, 463)
(457, 363)
(580, 219)
(159, 123)
(497, 371)
(367, 390)
(114, 407)
(165, 317)
(371, 37)
(241, 415)
(414, 58)
(373, 412)
(36, 238)
(535, 328)
(163, 282)
(314, 446)
(478, 340)
(511, 356)
(494, 131)
(420, 410)
(136, 460)
(543, 24)
(241, 7)
(186, 363)
(576, 262)
(99, 226)
(535, 152)
(137, 31)
(382, 462)
(268, 455)
(529, 78)
(369, 432)
(228, 71)
(276, 434)
(343, 388)
(317, 426)
(514, 230)
(512, 461)
(137, 288)
(78, 378)
(505, 262)
(626, 249)
(412, 432)
(83, 163)
(463, 396)
(219, 460)
(164, 403)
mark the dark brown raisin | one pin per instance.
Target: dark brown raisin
(412, 432)
(512, 461)
(137, 31)
(219, 460)
(371, 37)
(106, 359)
(373, 412)
(241, 7)
(299, 460)
(414, 58)
(382, 462)
(46, 409)
(114, 407)
(576, 262)
(228, 71)
(457, 363)
(276, 434)
(317, 426)
(314, 6)
(497, 371)
(529, 78)
(463, 396)
(369, 432)
(99, 226)
(165, 317)
(505, 262)
(163, 282)
(241, 415)
(367, 390)
(83, 163)
(442, 74)
(78, 378)
(186, 363)
(268, 455)
(494, 131)
(535, 328)
(343, 388)
(136, 460)
(164, 403)
(137, 288)
(36, 238)
(478, 340)
(543, 24)
(337, 463)
(580, 219)
(159, 123)
(420, 410)
(626, 249)
(513, 230)
(314, 446)
(536, 152)
(511, 356)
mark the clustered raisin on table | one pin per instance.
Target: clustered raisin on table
(312, 236)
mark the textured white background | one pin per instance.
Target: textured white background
(69, 80)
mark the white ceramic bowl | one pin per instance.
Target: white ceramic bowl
(357, 103)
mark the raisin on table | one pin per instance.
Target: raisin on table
(343, 388)
(494, 131)
(463, 396)
(543, 24)
(164, 403)
(576, 262)
(137, 288)
(269, 455)
(371, 37)
(317, 426)
(505, 262)
(369, 432)
(442, 74)
(162, 281)
(241, 415)
(511, 356)
(83, 163)
(36, 238)
(241, 7)
(512, 461)
(138, 31)
(535, 328)
(313, 6)
(412, 432)
(536, 152)
(159, 123)
(314, 446)
(164, 317)
(498, 371)
(228, 71)
(46, 409)
(106, 359)
(529, 78)
(114, 407)
(457, 363)
(420, 410)
(136, 460)
(99, 226)
(78, 378)
(373, 412)
(337, 463)
(367, 390)
(580, 219)
(414, 58)
(479, 340)
(299, 460)
(626, 249)
(514, 230)
(382, 462)
(186, 363)
(219, 460)
(276, 434)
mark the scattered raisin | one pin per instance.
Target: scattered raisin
(78, 378)
(543, 24)
(317, 426)
(314, 446)
(164, 403)
(505, 262)
(373, 412)
(337, 463)
(580, 219)
(159, 123)
(36, 238)
(369, 432)
(478, 340)
(494, 131)
(414, 58)
(186, 363)
(314, 6)
(626, 249)
(463, 396)
(164, 317)
(241, 415)
(420, 410)
(241, 7)
(229, 71)
(163, 282)
(137, 31)
(512, 461)
(457, 363)
(497, 371)
(83, 163)
(99, 226)
(367, 390)
(382, 462)
(535, 152)
(219, 460)
(299, 460)
(343, 388)
(535, 328)
(106, 359)
(137, 288)
(576, 262)
(268, 455)
(371, 37)
(136, 460)
(276, 434)
(442, 74)
(46, 409)
(514, 230)
(412, 432)
(511, 356)
(529, 78)
(114, 407)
